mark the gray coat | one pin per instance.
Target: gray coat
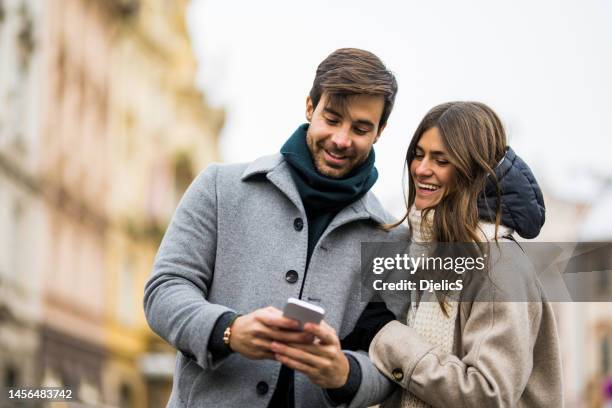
(228, 247)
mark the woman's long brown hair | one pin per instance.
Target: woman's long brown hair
(476, 142)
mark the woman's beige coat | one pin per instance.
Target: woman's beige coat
(505, 353)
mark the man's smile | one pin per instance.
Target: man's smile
(335, 159)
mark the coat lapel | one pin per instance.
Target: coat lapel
(276, 170)
(367, 207)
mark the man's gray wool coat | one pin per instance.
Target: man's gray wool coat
(228, 247)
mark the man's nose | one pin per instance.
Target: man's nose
(342, 138)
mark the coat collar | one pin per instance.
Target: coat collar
(277, 172)
(263, 165)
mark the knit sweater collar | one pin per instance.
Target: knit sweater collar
(422, 231)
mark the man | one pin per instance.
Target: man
(245, 238)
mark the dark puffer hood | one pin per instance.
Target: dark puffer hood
(521, 197)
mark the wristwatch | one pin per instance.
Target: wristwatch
(228, 332)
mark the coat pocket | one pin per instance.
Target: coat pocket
(188, 372)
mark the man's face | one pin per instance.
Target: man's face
(341, 141)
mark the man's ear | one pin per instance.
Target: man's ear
(380, 130)
(309, 109)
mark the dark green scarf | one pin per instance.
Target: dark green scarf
(323, 197)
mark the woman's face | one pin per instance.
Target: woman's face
(431, 170)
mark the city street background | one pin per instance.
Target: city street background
(109, 108)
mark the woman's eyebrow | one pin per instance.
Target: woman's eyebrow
(432, 152)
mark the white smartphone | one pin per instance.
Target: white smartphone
(303, 312)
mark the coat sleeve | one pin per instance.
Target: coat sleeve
(373, 389)
(366, 385)
(497, 347)
(175, 298)
(374, 317)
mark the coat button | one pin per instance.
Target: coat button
(291, 276)
(298, 224)
(262, 387)
(398, 374)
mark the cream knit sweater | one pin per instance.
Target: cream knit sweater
(425, 315)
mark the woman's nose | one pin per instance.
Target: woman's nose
(424, 169)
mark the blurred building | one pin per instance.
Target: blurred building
(75, 178)
(162, 134)
(585, 328)
(21, 204)
(597, 317)
(101, 130)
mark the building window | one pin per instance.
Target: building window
(11, 377)
(603, 270)
(25, 38)
(60, 71)
(2, 11)
(126, 305)
(126, 398)
(160, 191)
(183, 174)
(605, 355)
(17, 238)
(129, 125)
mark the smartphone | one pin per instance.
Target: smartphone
(303, 312)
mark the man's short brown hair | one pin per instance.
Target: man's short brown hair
(349, 72)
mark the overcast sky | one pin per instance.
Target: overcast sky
(544, 66)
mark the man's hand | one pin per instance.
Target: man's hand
(322, 361)
(253, 334)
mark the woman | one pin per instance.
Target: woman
(467, 186)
